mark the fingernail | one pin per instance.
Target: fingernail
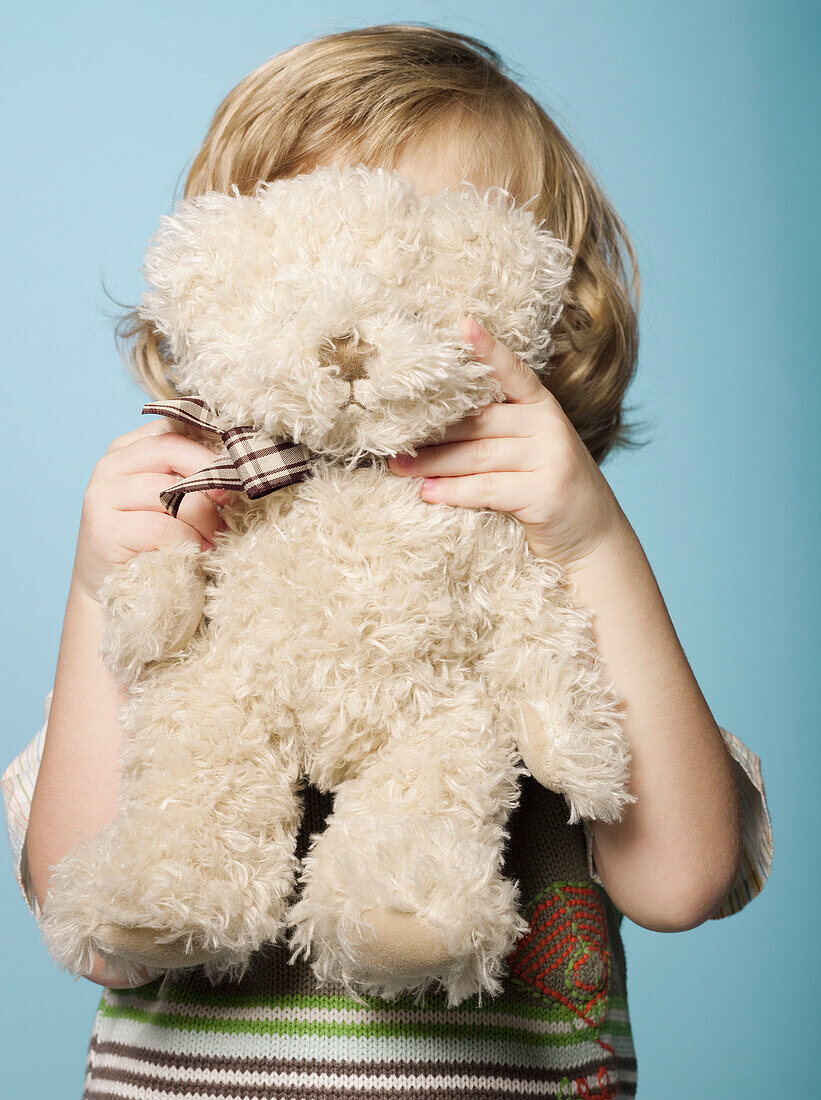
(430, 486)
(471, 328)
(403, 460)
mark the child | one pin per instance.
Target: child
(436, 107)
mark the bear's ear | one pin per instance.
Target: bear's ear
(491, 258)
(194, 263)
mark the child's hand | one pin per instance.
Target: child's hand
(523, 457)
(122, 512)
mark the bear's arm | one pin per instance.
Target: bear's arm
(153, 605)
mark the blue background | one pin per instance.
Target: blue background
(699, 118)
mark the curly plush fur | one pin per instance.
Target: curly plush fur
(412, 658)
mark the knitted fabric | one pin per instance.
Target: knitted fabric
(560, 1028)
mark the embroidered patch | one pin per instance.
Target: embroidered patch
(564, 956)
(604, 1090)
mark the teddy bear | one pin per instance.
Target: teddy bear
(410, 658)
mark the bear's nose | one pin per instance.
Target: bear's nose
(349, 356)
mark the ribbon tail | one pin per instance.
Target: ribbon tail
(190, 410)
(219, 475)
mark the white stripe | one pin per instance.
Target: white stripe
(341, 1048)
(621, 1044)
(18, 781)
(756, 829)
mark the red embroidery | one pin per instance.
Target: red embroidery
(580, 1088)
(564, 956)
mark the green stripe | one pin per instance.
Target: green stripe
(498, 1007)
(368, 1030)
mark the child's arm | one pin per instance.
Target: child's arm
(671, 859)
(77, 784)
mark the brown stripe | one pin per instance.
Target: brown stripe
(215, 1063)
(218, 1091)
(624, 1090)
(335, 1091)
(290, 475)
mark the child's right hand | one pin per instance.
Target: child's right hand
(122, 512)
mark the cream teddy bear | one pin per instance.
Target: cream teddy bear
(411, 658)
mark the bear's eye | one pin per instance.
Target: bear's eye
(348, 354)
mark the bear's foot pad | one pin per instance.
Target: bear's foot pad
(145, 946)
(401, 943)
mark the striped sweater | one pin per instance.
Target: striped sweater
(560, 1028)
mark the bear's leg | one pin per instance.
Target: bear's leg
(199, 862)
(403, 891)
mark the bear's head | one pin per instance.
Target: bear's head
(324, 308)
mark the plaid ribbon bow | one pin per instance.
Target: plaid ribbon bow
(256, 463)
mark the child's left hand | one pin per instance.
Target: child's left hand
(523, 457)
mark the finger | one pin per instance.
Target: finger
(466, 457)
(141, 531)
(141, 493)
(503, 491)
(159, 426)
(494, 421)
(520, 384)
(166, 453)
(138, 531)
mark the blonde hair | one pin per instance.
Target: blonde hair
(374, 94)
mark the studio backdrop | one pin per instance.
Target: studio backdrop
(701, 122)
